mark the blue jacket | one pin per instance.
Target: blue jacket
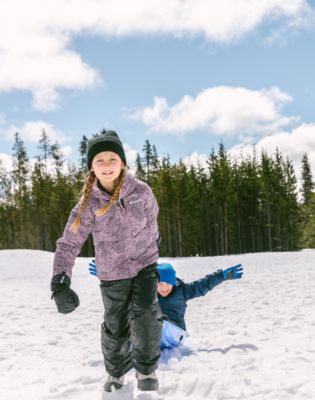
(174, 305)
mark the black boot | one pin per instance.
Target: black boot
(147, 382)
(112, 382)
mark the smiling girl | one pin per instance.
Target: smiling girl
(121, 213)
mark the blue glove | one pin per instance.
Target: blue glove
(92, 267)
(235, 272)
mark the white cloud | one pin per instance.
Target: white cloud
(31, 132)
(66, 151)
(220, 110)
(45, 99)
(131, 156)
(6, 161)
(222, 21)
(36, 36)
(51, 166)
(195, 159)
(291, 144)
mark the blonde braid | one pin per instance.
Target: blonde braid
(84, 198)
(115, 196)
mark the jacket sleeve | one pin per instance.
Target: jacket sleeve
(69, 245)
(152, 210)
(202, 286)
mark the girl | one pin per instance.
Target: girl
(121, 213)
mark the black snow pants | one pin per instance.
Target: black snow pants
(131, 331)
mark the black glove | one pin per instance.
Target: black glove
(65, 298)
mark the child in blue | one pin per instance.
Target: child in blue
(173, 294)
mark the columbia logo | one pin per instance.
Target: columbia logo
(135, 201)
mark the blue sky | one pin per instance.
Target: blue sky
(184, 74)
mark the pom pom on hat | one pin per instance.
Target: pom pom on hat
(166, 273)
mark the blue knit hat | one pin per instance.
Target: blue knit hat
(166, 273)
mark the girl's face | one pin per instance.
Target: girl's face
(164, 289)
(107, 167)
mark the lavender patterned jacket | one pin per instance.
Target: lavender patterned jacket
(125, 238)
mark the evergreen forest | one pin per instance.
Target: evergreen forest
(231, 206)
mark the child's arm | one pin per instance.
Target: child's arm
(202, 286)
(69, 245)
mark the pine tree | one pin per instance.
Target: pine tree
(195, 215)
(148, 158)
(307, 180)
(247, 190)
(6, 209)
(307, 208)
(155, 158)
(222, 199)
(140, 172)
(5, 185)
(20, 174)
(44, 145)
(203, 210)
(163, 191)
(57, 156)
(307, 233)
(40, 196)
(82, 151)
(279, 199)
(291, 209)
(214, 223)
(266, 185)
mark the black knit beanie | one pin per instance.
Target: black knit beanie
(108, 141)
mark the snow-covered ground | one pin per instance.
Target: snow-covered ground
(250, 339)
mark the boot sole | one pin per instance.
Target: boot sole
(108, 387)
(148, 384)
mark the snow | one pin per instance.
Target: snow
(248, 339)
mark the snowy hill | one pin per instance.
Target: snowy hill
(251, 339)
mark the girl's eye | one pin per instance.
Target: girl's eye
(111, 160)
